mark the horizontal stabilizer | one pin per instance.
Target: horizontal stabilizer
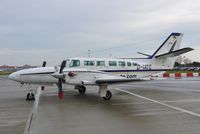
(144, 54)
(175, 53)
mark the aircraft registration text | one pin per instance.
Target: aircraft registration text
(144, 67)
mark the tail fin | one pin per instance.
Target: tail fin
(167, 53)
(172, 43)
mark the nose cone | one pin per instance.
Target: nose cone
(14, 76)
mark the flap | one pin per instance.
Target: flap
(113, 81)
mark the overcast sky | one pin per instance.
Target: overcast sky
(35, 30)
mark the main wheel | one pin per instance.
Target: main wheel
(82, 89)
(30, 96)
(108, 95)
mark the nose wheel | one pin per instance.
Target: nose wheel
(30, 96)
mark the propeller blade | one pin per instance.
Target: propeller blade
(60, 77)
(44, 64)
(60, 85)
(62, 66)
(60, 90)
(56, 68)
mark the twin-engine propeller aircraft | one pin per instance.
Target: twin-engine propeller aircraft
(102, 72)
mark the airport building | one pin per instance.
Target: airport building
(6, 68)
(25, 67)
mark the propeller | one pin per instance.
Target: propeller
(62, 66)
(44, 64)
(61, 78)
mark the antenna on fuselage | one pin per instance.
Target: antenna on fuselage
(110, 55)
(89, 53)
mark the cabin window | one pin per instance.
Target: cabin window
(121, 63)
(128, 63)
(112, 63)
(134, 64)
(100, 63)
(74, 63)
(89, 63)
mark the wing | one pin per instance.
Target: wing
(94, 77)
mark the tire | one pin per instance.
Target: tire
(30, 97)
(108, 95)
(82, 89)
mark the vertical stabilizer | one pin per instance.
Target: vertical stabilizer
(172, 43)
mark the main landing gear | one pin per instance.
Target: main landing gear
(108, 95)
(81, 89)
(104, 93)
(30, 96)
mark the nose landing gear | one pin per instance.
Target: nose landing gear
(30, 96)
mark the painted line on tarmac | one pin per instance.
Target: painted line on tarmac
(33, 112)
(158, 102)
(167, 101)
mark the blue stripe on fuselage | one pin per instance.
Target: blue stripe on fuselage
(134, 70)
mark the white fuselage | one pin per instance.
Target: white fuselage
(138, 68)
(89, 69)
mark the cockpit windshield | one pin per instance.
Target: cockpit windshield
(74, 63)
